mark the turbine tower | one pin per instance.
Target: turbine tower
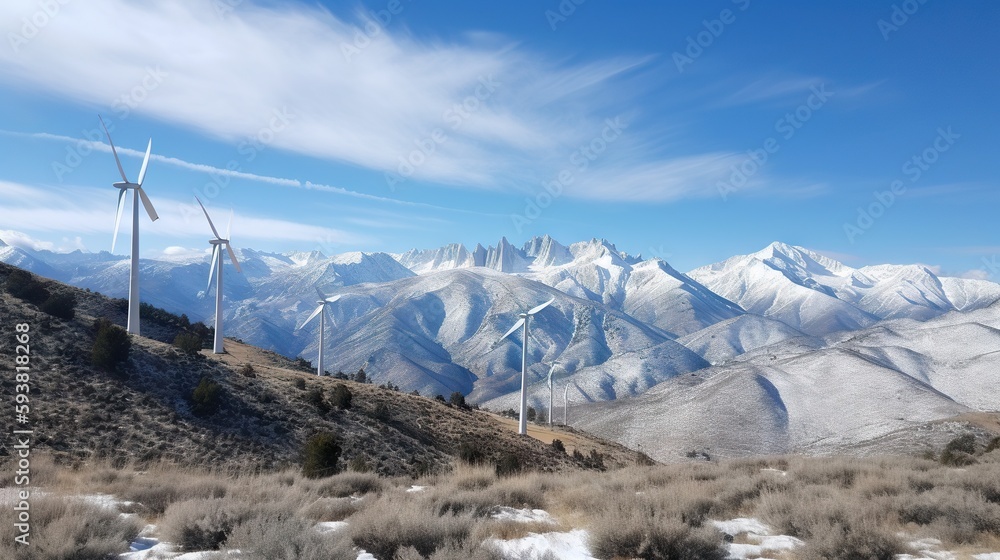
(123, 187)
(217, 244)
(552, 369)
(522, 427)
(321, 311)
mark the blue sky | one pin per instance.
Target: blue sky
(692, 131)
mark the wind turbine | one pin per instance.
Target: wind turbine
(522, 427)
(320, 310)
(124, 186)
(552, 369)
(217, 244)
(566, 404)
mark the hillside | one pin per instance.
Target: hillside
(142, 413)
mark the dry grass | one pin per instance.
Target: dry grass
(840, 508)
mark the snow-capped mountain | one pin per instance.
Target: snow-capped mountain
(819, 396)
(430, 320)
(819, 295)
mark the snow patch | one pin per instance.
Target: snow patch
(503, 513)
(562, 546)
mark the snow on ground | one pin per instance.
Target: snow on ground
(416, 488)
(562, 546)
(330, 526)
(504, 513)
(760, 535)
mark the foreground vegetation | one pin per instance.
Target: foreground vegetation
(838, 507)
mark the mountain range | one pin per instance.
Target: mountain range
(752, 332)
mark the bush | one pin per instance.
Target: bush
(203, 524)
(458, 400)
(359, 464)
(188, 342)
(206, 397)
(63, 528)
(470, 453)
(439, 398)
(959, 451)
(382, 412)
(299, 383)
(111, 346)
(869, 543)
(558, 446)
(246, 370)
(635, 536)
(341, 396)
(532, 414)
(315, 397)
(61, 305)
(319, 458)
(993, 444)
(23, 285)
(389, 525)
(276, 535)
(508, 465)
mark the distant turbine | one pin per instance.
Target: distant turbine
(133, 275)
(217, 243)
(522, 427)
(566, 405)
(320, 310)
(551, 370)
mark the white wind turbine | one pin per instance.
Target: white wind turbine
(321, 311)
(522, 427)
(552, 369)
(217, 244)
(133, 275)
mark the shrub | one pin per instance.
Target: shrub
(359, 464)
(508, 465)
(188, 342)
(638, 535)
(341, 396)
(391, 524)
(111, 346)
(319, 457)
(203, 524)
(315, 397)
(299, 383)
(959, 451)
(246, 370)
(206, 397)
(558, 446)
(439, 398)
(276, 535)
(23, 285)
(458, 400)
(532, 414)
(993, 444)
(61, 305)
(870, 543)
(361, 376)
(470, 453)
(64, 528)
(382, 412)
(348, 484)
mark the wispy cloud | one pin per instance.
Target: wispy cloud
(90, 211)
(228, 76)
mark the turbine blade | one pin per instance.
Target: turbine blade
(541, 307)
(145, 162)
(207, 218)
(516, 326)
(113, 150)
(232, 257)
(211, 270)
(118, 217)
(315, 312)
(229, 226)
(332, 299)
(147, 204)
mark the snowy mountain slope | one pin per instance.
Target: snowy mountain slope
(818, 402)
(819, 295)
(15, 256)
(621, 376)
(440, 332)
(732, 337)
